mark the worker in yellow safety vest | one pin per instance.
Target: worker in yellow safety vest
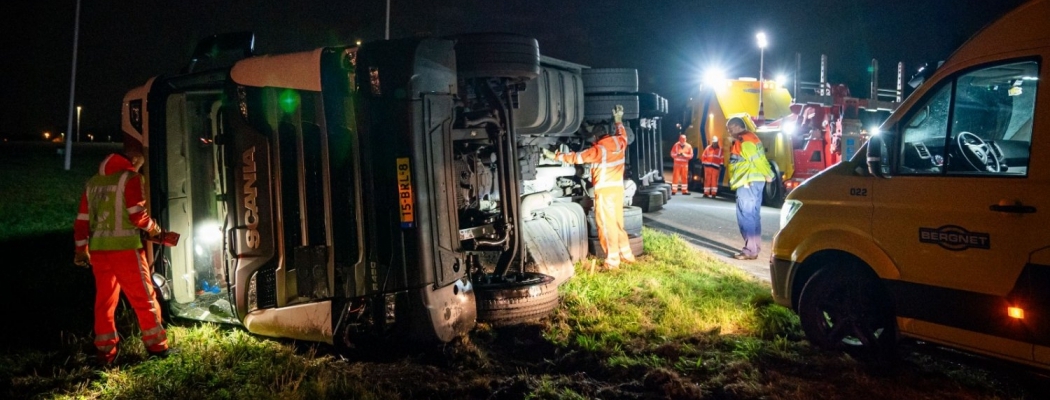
(681, 152)
(607, 158)
(107, 236)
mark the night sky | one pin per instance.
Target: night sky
(124, 43)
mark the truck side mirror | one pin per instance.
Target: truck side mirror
(878, 157)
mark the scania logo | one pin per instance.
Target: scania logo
(251, 210)
(955, 238)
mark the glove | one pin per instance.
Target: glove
(155, 232)
(618, 114)
(82, 259)
(549, 154)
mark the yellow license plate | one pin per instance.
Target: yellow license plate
(404, 193)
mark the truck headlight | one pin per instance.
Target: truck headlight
(788, 210)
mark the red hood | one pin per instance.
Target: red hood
(115, 163)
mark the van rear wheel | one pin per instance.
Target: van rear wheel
(844, 310)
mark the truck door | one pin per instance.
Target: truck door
(192, 189)
(967, 208)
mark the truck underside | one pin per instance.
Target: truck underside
(386, 191)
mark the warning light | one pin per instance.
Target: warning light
(1015, 312)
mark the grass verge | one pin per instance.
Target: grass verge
(678, 324)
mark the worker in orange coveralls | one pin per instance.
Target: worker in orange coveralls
(106, 231)
(682, 152)
(712, 160)
(607, 165)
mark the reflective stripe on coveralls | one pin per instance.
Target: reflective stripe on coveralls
(607, 165)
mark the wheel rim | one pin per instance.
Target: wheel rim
(843, 315)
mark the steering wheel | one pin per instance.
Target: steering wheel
(977, 152)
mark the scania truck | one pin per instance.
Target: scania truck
(381, 191)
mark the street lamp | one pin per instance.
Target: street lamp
(761, 36)
(78, 123)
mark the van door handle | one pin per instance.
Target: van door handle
(1016, 209)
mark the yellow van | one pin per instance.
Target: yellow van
(942, 232)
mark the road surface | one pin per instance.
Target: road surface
(710, 224)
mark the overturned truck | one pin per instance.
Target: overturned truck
(390, 190)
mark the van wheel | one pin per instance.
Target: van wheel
(844, 310)
(497, 55)
(515, 299)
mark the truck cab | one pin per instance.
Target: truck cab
(938, 230)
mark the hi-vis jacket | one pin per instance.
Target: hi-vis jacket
(685, 149)
(112, 208)
(747, 162)
(712, 157)
(606, 158)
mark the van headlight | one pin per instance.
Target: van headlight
(788, 210)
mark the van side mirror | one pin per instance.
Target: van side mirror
(878, 156)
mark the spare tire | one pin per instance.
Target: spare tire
(497, 55)
(529, 297)
(600, 107)
(607, 80)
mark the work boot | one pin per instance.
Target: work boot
(162, 354)
(107, 359)
(685, 193)
(742, 256)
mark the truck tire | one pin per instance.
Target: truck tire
(774, 193)
(649, 200)
(609, 80)
(664, 188)
(637, 246)
(530, 298)
(632, 222)
(600, 107)
(497, 55)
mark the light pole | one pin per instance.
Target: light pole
(761, 78)
(387, 35)
(72, 85)
(78, 122)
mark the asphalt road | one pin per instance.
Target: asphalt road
(710, 224)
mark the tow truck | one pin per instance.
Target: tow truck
(803, 135)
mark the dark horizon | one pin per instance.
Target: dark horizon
(670, 42)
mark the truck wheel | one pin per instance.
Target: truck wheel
(529, 297)
(497, 55)
(632, 222)
(637, 246)
(844, 310)
(607, 80)
(650, 200)
(774, 192)
(664, 188)
(599, 108)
